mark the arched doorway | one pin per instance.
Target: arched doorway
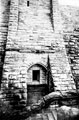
(36, 83)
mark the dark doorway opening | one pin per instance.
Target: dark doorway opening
(36, 75)
(35, 93)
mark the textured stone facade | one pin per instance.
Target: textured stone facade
(36, 30)
(4, 19)
(70, 16)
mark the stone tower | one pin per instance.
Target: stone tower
(34, 32)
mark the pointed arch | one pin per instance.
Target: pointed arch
(39, 64)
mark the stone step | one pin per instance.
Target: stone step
(45, 117)
(50, 116)
(54, 113)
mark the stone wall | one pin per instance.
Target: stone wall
(70, 22)
(31, 37)
(30, 33)
(4, 19)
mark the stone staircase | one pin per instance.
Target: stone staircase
(45, 114)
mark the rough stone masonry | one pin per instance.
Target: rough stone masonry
(30, 31)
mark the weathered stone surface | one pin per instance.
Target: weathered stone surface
(4, 19)
(70, 16)
(68, 113)
(30, 29)
(33, 32)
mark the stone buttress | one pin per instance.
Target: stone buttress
(35, 31)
